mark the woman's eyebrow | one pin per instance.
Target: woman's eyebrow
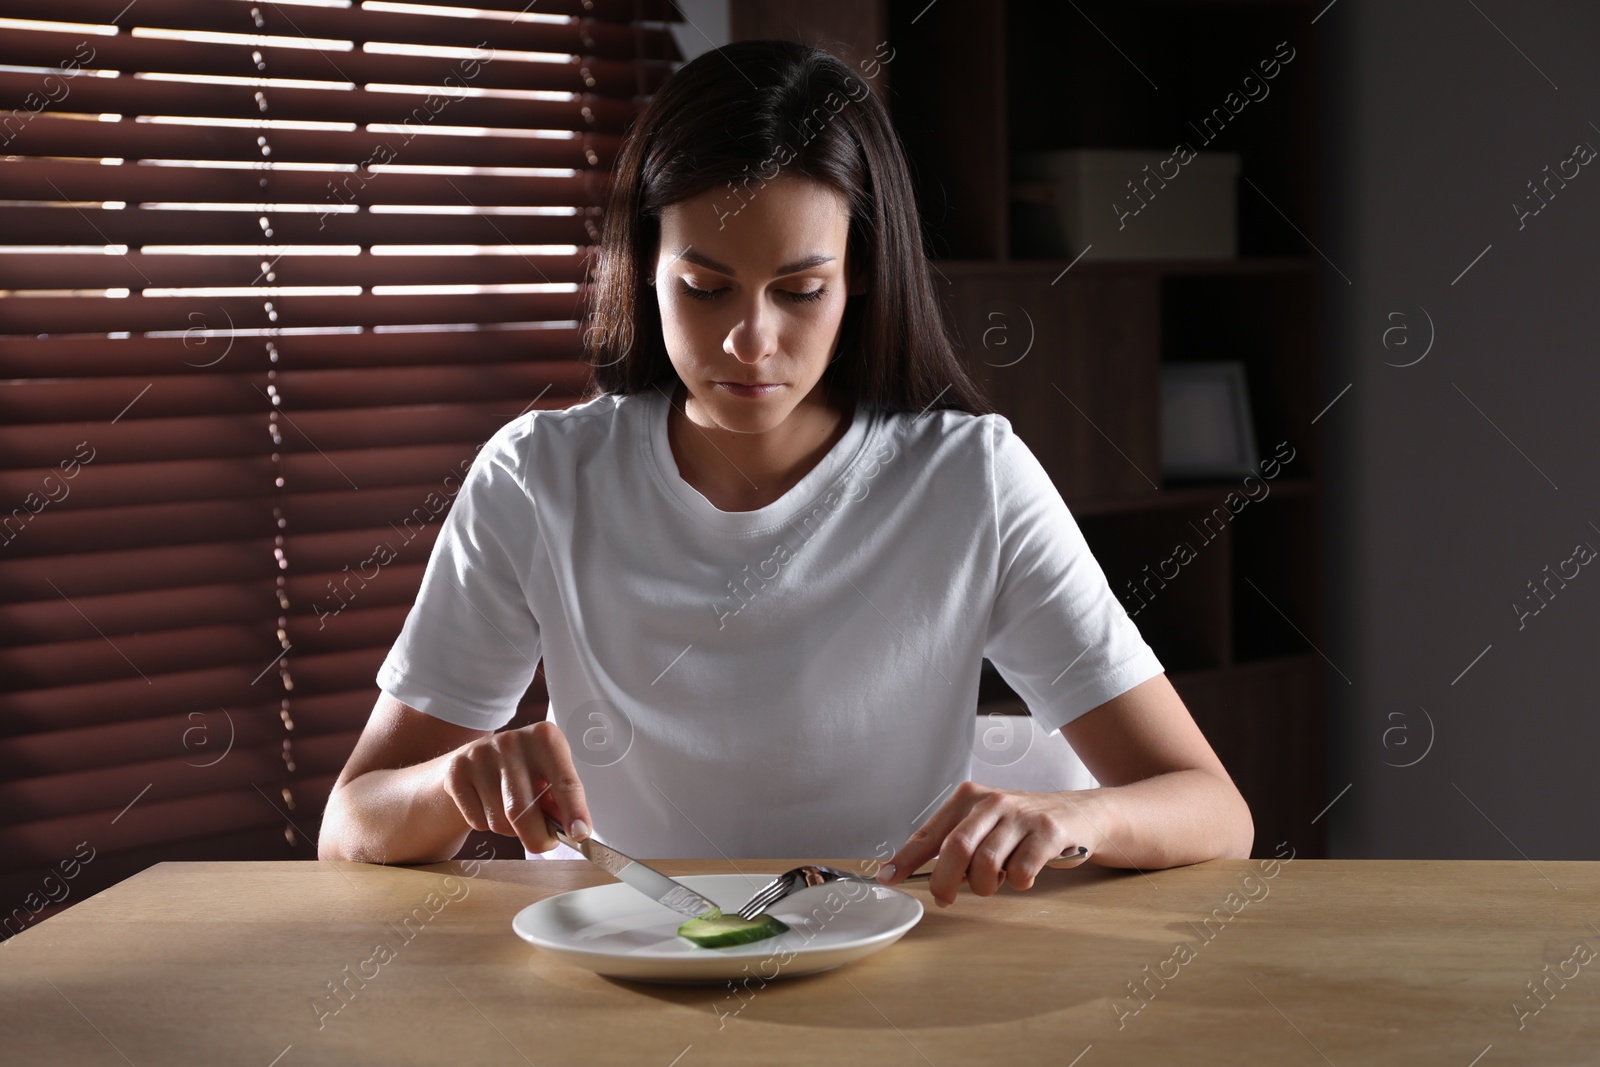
(815, 259)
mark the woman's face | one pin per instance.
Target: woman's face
(754, 294)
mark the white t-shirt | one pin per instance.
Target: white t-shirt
(798, 680)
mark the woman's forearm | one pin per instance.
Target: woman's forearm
(402, 815)
(1169, 820)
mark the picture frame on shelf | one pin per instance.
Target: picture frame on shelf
(1206, 430)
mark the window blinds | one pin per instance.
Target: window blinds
(269, 275)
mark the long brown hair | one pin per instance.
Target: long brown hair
(724, 120)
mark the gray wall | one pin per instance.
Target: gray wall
(1454, 482)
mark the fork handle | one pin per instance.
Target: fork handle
(1069, 858)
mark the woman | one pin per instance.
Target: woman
(764, 560)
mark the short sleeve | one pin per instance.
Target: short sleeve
(1057, 633)
(470, 645)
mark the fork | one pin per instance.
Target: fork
(798, 878)
(810, 874)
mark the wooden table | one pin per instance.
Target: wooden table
(1341, 962)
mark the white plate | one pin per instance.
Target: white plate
(615, 930)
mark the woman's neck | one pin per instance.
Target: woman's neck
(747, 471)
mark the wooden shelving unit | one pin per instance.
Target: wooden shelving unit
(971, 82)
(975, 81)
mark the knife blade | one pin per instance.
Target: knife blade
(647, 880)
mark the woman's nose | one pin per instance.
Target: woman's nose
(753, 337)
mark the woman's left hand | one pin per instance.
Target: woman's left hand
(986, 836)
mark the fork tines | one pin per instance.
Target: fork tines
(769, 894)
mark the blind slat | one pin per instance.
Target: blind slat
(623, 11)
(44, 180)
(151, 821)
(103, 485)
(40, 797)
(137, 270)
(131, 696)
(31, 357)
(173, 571)
(55, 135)
(600, 10)
(149, 653)
(317, 391)
(332, 430)
(56, 621)
(131, 96)
(180, 313)
(607, 78)
(297, 22)
(66, 531)
(199, 735)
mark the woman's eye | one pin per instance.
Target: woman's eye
(697, 294)
(694, 293)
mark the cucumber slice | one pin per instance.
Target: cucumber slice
(716, 930)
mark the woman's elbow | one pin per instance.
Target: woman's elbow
(1241, 836)
(332, 839)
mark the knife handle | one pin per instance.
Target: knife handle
(561, 835)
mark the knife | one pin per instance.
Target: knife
(647, 880)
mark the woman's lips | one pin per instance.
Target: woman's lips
(750, 390)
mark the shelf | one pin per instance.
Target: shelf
(1267, 322)
(1170, 79)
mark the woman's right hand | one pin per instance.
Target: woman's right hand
(506, 782)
